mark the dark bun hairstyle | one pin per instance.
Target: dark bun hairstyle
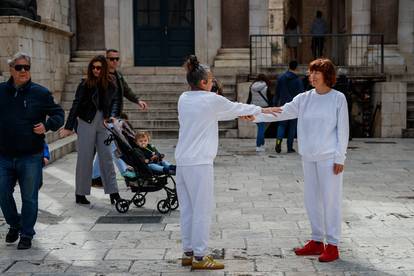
(196, 71)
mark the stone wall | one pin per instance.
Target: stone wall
(48, 46)
(54, 13)
(245, 129)
(392, 118)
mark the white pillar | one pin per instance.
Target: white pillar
(126, 32)
(111, 24)
(406, 26)
(200, 30)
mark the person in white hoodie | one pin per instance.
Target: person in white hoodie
(199, 111)
(258, 95)
(323, 129)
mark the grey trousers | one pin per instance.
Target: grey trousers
(91, 136)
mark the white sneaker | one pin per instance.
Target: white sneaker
(260, 149)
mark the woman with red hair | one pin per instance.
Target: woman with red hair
(323, 129)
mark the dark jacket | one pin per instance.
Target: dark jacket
(288, 86)
(21, 109)
(89, 100)
(124, 90)
(149, 151)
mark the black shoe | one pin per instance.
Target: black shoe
(12, 235)
(24, 243)
(291, 151)
(114, 197)
(81, 199)
(278, 147)
(97, 182)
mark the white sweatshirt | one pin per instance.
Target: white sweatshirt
(198, 115)
(323, 127)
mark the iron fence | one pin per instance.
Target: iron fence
(358, 53)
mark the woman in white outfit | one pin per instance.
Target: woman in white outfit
(198, 113)
(323, 139)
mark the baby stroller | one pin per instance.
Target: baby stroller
(146, 181)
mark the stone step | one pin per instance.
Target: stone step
(232, 63)
(408, 132)
(52, 136)
(233, 56)
(144, 79)
(171, 124)
(162, 104)
(61, 147)
(141, 87)
(233, 51)
(173, 133)
(153, 96)
(151, 114)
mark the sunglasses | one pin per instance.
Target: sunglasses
(20, 67)
(99, 68)
(114, 58)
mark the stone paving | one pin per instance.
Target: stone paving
(258, 220)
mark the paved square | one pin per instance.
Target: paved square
(258, 220)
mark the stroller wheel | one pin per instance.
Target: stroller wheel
(138, 200)
(163, 206)
(122, 206)
(174, 203)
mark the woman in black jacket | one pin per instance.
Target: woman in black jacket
(96, 102)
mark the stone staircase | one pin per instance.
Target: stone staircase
(160, 87)
(232, 57)
(59, 147)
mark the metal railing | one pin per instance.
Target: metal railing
(358, 53)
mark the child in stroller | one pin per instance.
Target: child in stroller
(153, 158)
(146, 180)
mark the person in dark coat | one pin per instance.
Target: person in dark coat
(289, 84)
(27, 111)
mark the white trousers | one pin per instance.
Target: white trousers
(195, 189)
(323, 200)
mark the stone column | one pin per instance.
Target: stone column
(361, 24)
(126, 32)
(235, 23)
(406, 26)
(112, 24)
(90, 25)
(200, 30)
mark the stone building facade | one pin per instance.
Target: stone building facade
(48, 42)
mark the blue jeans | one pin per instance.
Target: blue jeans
(159, 167)
(260, 139)
(291, 125)
(27, 170)
(120, 164)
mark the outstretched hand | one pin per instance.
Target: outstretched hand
(248, 118)
(272, 110)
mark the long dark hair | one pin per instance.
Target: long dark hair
(262, 77)
(291, 24)
(104, 78)
(196, 72)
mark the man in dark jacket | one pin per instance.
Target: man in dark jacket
(24, 106)
(288, 86)
(124, 90)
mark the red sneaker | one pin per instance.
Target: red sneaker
(330, 254)
(311, 248)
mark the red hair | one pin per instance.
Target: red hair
(327, 68)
